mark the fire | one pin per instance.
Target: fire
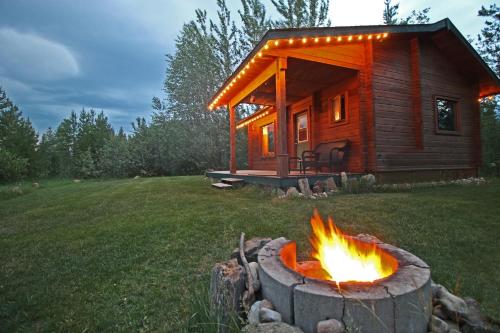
(346, 259)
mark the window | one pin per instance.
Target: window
(302, 135)
(268, 140)
(338, 109)
(446, 115)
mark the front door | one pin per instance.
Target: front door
(301, 133)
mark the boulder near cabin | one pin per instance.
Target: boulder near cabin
(401, 102)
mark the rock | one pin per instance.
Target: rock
(252, 247)
(254, 266)
(253, 314)
(483, 327)
(276, 327)
(330, 326)
(475, 322)
(452, 330)
(343, 180)
(367, 182)
(319, 187)
(267, 304)
(269, 316)
(304, 187)
(227, 284)
(16, 189)
(35, 185)
(438, 312)
(438, 325)
(453, 306)
(76, 181)
(330, 185)
(137, 177)
(292, 193)
(452, 325)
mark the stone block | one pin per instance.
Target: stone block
(277, 281)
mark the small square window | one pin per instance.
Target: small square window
(446, 115)
(338, 109)
(267, 134)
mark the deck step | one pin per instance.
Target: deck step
(222, 186)
(232, 181)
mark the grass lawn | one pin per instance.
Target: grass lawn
(129, 255)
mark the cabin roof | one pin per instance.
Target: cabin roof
(446, 36)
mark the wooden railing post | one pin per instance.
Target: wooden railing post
(282, 149)
(232, 138)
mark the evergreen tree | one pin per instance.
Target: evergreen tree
(302, 13)
(390, 15)
(417, 17)
(255, 24)
(488, 46)
(17, 137)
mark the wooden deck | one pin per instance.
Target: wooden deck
(269, 177)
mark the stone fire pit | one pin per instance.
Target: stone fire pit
(401, 302)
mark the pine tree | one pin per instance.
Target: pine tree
(17, 135)
(302, 13)
(488, 46)
(255, 24)
(224, 34)
(390, 15)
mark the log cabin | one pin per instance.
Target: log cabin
(404, 99)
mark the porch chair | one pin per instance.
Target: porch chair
(327, 154)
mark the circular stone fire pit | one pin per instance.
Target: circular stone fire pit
(399, 303)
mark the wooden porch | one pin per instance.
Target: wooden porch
(270, 177)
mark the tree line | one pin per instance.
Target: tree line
(181, 136)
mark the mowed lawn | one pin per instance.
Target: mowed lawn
(128, 255)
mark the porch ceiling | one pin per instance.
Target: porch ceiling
(303, 78)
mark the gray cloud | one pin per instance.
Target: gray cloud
(29, 57)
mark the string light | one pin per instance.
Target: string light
(276, 43)
(252, 119)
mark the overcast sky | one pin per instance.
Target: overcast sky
(60, 55)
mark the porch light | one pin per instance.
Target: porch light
(349, 38)
(360, 37)
(328, 39)
(290, 41)
(339, 39)
(304, 40)
(266, 47)
(276, 43)
(370, 36)
(316, 39)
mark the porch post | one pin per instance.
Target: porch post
(282, 150)
(232, 139)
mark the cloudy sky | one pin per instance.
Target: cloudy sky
(59, 55)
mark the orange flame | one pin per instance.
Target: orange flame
(346, 259)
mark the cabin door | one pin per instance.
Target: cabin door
(301, 133)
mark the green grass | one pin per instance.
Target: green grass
(129, 255)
